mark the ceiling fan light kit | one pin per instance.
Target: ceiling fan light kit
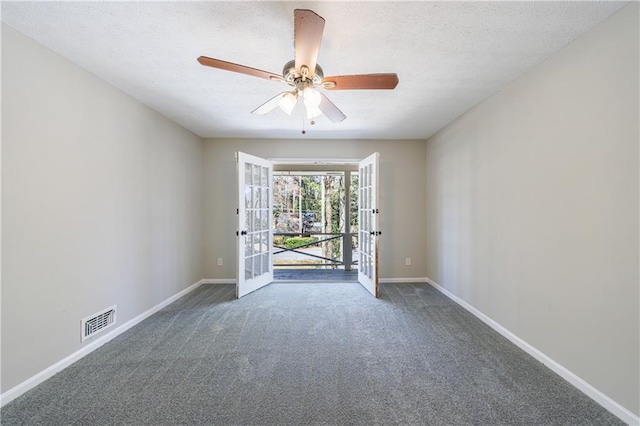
(305, 75)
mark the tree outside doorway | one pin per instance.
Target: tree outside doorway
(309, 214)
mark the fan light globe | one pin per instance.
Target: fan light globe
(287, 102)
(312, 98)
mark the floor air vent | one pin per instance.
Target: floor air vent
(98, 322)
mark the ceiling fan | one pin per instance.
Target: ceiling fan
(305, 75)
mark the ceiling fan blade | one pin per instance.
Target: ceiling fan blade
(230, 66)
(269, 105)
(307, 34)
(361, 81)
(330, 110)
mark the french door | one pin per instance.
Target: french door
(255, 234)
(369, 230)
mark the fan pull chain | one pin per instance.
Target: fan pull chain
(304, 132)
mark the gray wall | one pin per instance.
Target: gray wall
(532, 208)
(101, 205)
(402, 197)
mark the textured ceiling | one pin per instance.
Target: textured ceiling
(449, 56)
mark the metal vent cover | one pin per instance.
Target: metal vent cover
(98, 322)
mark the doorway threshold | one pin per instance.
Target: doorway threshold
(314, 275)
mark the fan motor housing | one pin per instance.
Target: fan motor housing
(292, 76)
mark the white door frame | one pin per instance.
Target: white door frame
(254, 232)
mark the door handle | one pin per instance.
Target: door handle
(243, 232)
(376, 233)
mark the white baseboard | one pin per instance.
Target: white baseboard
(218, 281)
(608, 403)
(402, 280)
(40, 377)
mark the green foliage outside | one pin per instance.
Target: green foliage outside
(293, 242)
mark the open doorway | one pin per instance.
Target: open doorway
(256, 223)
(315, 222)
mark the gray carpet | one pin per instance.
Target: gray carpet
(308, 354)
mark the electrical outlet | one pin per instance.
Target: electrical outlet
(220, 261)
(407, 261)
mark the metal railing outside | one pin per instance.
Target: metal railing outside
(299, 257)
